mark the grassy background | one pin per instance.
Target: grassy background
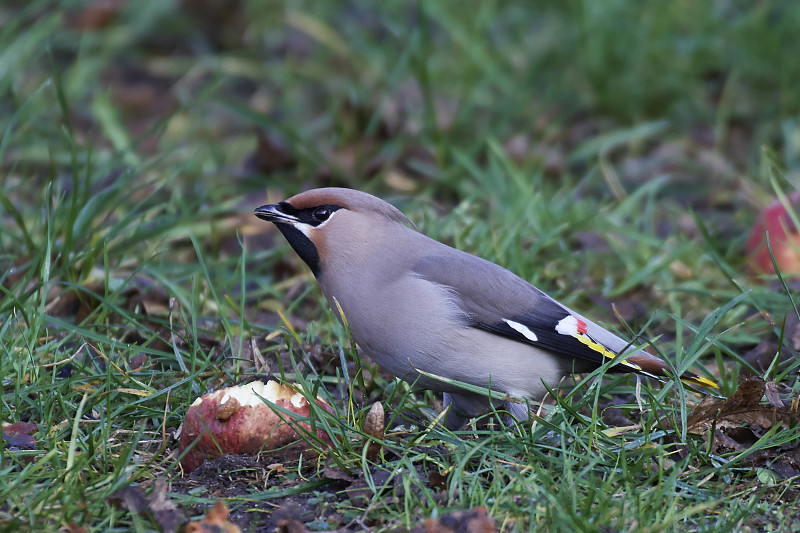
(609, 152)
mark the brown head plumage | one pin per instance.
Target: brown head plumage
(350, 199)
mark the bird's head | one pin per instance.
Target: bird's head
(322, 222)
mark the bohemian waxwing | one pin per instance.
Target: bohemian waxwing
(414, 304)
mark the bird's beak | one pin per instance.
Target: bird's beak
(273, 213)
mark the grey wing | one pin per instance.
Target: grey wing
(498, 301)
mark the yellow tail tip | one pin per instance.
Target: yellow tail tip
(692, 379)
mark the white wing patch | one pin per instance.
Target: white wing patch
(567, 325)
(522, 330)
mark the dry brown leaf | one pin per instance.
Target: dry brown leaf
(771, 392)
(18, 435)
(132, 498)
(137, 361)
(334, 472)
(748, 394)
(374, 426)
(216, 521)
(164, 511)
(437, 481)
(291, 525)
(742, 419)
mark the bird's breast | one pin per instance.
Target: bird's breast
(401, 324)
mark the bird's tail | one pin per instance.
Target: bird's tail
(650, 365)
(693, 379)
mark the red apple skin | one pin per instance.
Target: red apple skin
(242, 429)
(784, 239)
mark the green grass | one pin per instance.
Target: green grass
(135, 279)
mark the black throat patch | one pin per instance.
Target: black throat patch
(302, 246)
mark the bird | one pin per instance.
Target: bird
(433, 315)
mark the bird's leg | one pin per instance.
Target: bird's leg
(463, 406)
(518, 411)
(453, 420)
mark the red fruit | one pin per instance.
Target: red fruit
(784, 239)
(236, 420)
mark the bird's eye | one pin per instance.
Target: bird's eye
(322, 214)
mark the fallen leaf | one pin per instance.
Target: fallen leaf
(334, 472)
(748, 394)
(741, 420)
(165, 513)
(290, 525)
(374, 426)
(437, 481)
(18, 435)
(216, 521)
(130, 497)
(787, 466)
(137, 361)
(771, 392)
